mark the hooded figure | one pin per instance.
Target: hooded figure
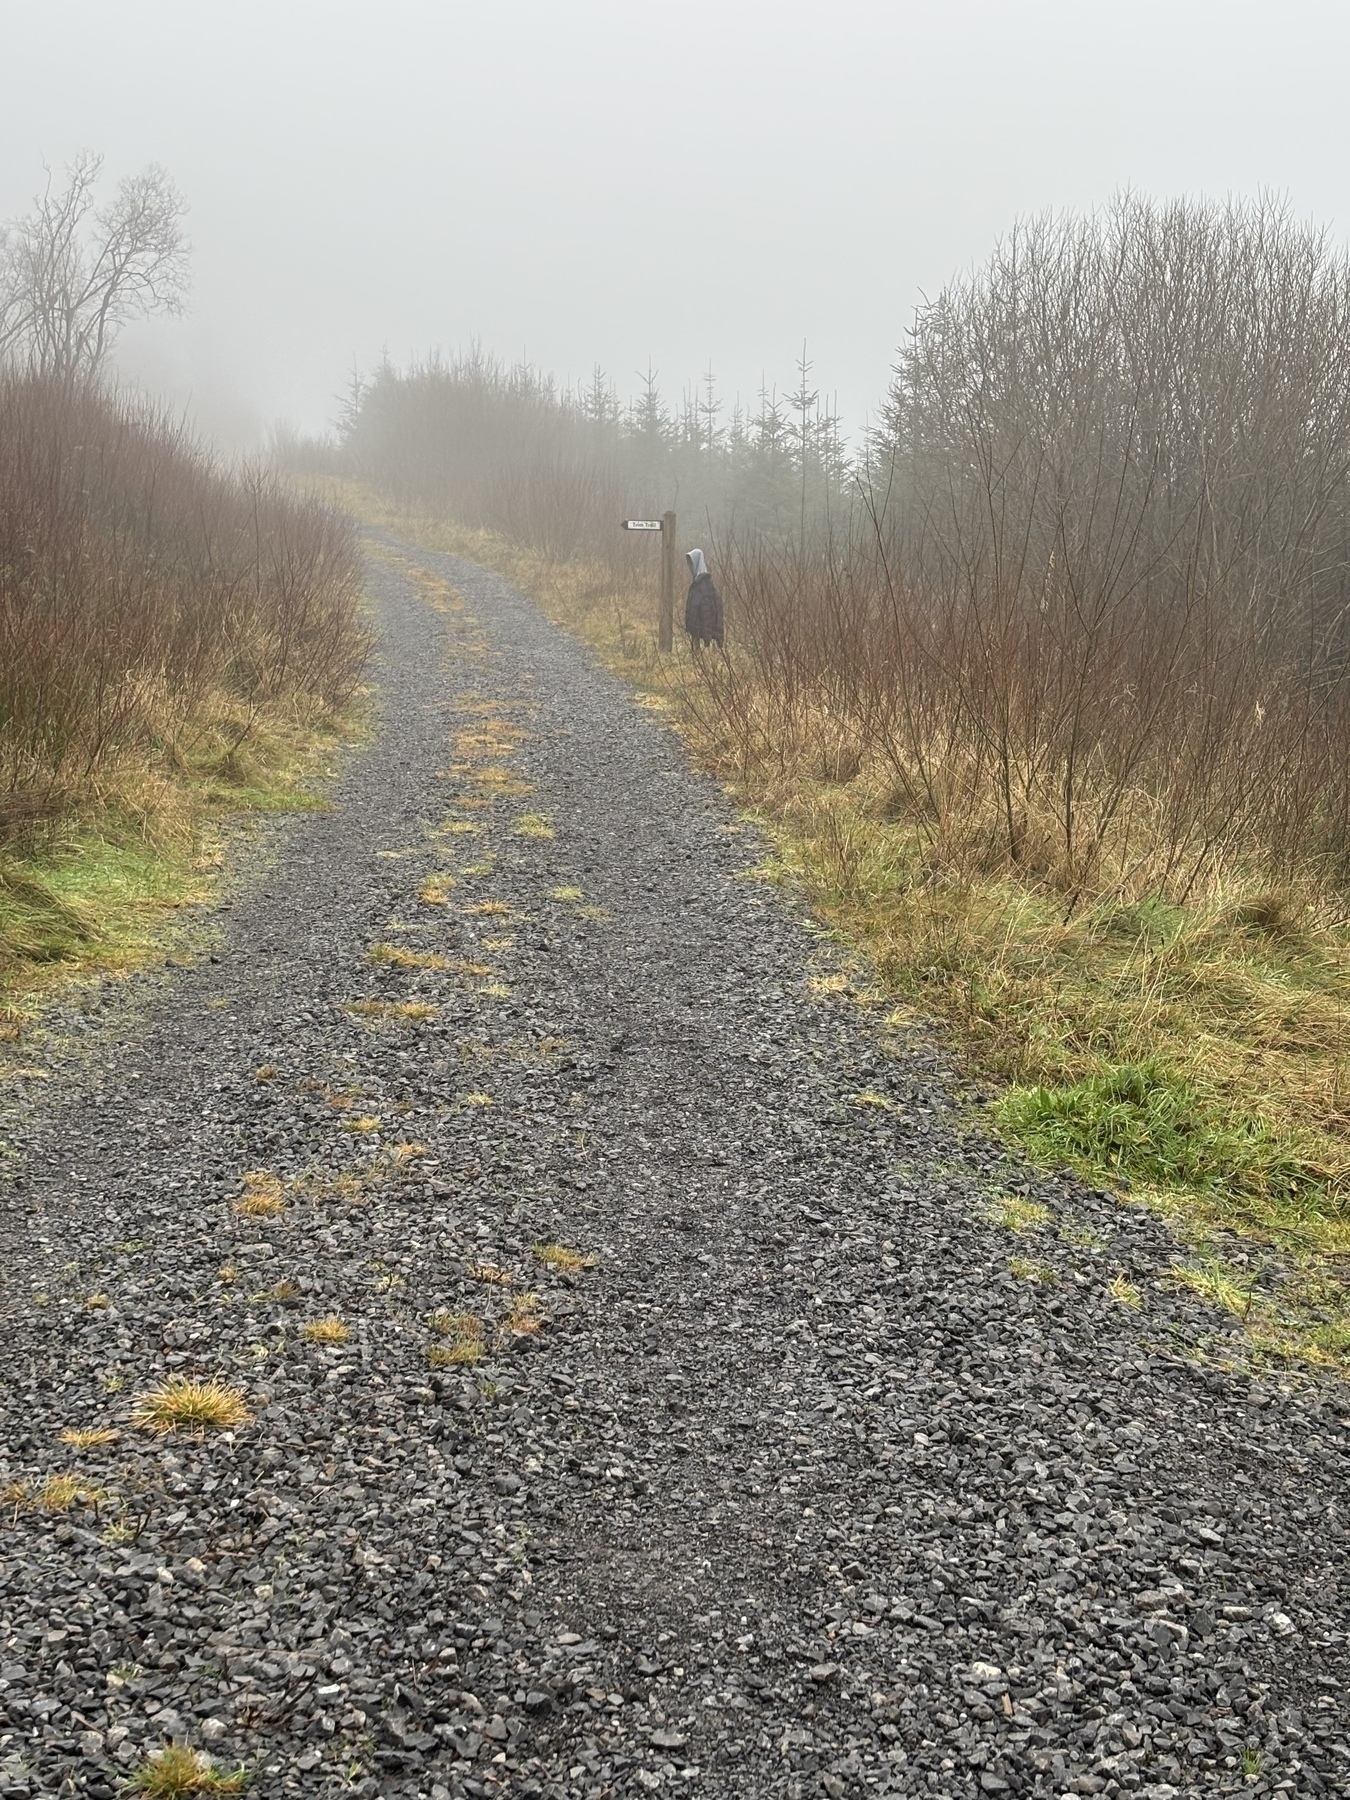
(703, 607)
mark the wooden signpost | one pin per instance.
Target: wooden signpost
(665, 636)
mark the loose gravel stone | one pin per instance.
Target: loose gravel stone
(799, 1475)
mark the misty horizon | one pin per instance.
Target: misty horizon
(600, 190)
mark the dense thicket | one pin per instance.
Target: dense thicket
(147, 595)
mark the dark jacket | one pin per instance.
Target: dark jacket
(703, 612)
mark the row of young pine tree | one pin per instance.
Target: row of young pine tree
(507, 448)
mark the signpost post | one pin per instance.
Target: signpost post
(665, 636)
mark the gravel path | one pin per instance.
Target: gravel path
(803, 1476)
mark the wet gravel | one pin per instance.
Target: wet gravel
(811, 1479)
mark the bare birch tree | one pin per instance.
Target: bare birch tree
(72, 274)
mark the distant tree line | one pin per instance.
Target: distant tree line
(507, 449)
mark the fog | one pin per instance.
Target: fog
(704, 185)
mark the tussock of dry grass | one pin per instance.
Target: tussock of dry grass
(523, 1317)
(562, 1260)
(398, 957)
(176, 1770)
(263, 1196)
(58, 1494)
(183, 1404)
(89, 1437)
(465, 1333)
(325, 1331)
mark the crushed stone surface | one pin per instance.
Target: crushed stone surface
(803, 1474)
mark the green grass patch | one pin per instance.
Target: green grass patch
(1143, 1124)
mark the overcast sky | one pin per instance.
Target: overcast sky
(704, 182)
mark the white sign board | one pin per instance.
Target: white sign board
(642, 524)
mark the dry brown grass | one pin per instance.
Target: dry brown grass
(264, 1196)
(562, 1260)
(58, 1494)
(523, 1317)
(490, 1274)
(89, 1437)
(448, 1356)
(399, 957)
(181, 1403)
(399, 1012)
(466, 1333)
(325, 1331)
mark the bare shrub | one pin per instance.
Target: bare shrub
(142, 589)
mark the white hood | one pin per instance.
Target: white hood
(697, 564)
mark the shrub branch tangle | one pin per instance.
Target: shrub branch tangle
(147, 596)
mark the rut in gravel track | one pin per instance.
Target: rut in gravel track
(810, 1477)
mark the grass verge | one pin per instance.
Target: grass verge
(1195, 1057)
(98, 893)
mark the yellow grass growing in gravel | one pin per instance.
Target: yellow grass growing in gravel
(465, 1333)
(562, 1260)
(182, 1403)
(408, 1012)
(448, 1356)
(491, 1274)
(325, 1331)
(399, 957)
(263, 1196)
(523, 1317)
(178, 1769)
(1016, 1214)
(57, 1494)
(88, 1437)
